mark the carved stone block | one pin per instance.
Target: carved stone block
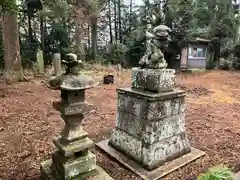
(74, 167)
(155, 80)
(71, 97)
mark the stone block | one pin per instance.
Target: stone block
(155, 80)
(71, 148)
(150, 155)
(156, 174)
(150, 127)
(139, 107)
(140, 115)
(73, 130)
(71, 97)
(127, 144)
(48, 174)
(73, 167)
(168, 149)
(156, 131)
(129, 123)
(73, 109)
(131, 104)
(150, 131)
(165, 108)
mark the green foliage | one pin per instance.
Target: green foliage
(210, 62)
(55, 9)
(56, 13)
(226, 64)
(230, 53)
(217, 173)
(28, 52)
(8, 5)
(116, 52)
(227, 47)
(135, 46)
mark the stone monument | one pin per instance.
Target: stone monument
(73, 158)
(40, 62)
(150, 136)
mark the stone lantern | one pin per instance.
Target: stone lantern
(73, 158)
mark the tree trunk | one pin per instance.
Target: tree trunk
(79, 33)
(119, 21)
(94, 37)
(130, 14)
(238, 30)
(12, 58)
(30, 32)
(89, 37)
(110, 21)
(115, 20)
(42, 33)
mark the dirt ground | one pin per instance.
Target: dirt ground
(28, 123)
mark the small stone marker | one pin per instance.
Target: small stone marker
(150, 135)
(57, 64)
(73, 158)
(40, 62)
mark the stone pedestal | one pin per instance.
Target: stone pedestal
(73, 158)
(150, 125)
(153, 80)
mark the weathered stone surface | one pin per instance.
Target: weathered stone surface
(73, 147)
(73, 129)
(155, 80)
(163, 105)
(47, 174)
(165, 108)
(74, 167)
(71, 97)
(150, 155)
(155, 174)
(151, 96)
(158, 153)
(133, 105)
(77, 108)
(130, 123)
(134, 115)
(127, 144)
(156, 131)
(150, 127)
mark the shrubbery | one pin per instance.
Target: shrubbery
(217, 173)
(230, 53)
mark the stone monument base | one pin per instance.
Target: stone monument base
(154, 174)
(98, 174)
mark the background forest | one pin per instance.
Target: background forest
(111, 31)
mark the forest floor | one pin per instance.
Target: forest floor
(28, 123)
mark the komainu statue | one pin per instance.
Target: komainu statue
(157, 42)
